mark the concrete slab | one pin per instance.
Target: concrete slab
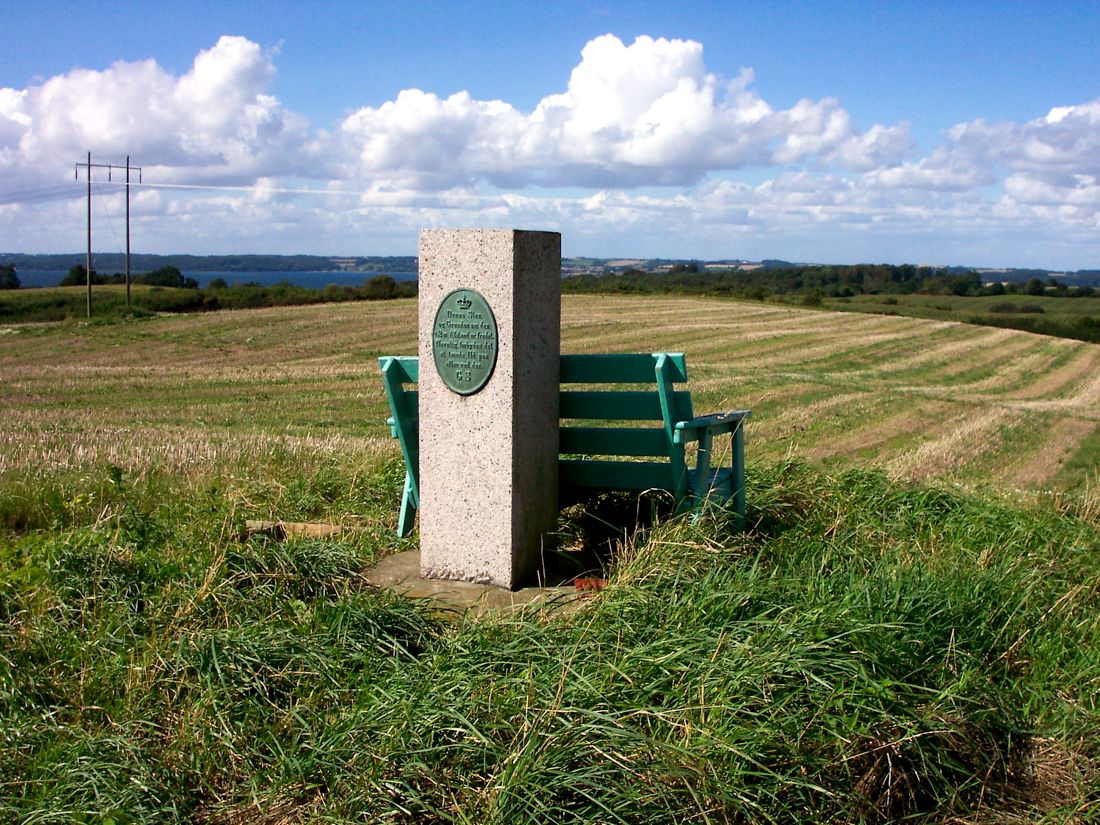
(401, 574)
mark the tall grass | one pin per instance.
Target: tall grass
(867, 652)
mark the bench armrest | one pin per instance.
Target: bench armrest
(716, 424)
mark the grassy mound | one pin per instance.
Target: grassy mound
(868, 652)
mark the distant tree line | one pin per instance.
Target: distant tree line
(224, 263)
(1081, 277)
(220, 295)
(167, 276)
(813, 282)
(171, 292)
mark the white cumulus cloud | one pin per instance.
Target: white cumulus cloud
(216, 122)
(658, 153)
(644, 114)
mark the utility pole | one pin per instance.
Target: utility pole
(127, 231)
(88, 253)
(88, 166)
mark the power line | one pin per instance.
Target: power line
(748, 205)
(110, 167)
(106, 213)
(252, 188)
(39, 194)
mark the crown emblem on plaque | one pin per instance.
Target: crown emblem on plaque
(464, 302)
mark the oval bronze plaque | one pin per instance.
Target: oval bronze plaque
(464, 341)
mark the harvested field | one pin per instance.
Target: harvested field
(927, 399)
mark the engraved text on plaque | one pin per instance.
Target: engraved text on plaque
(464, 341)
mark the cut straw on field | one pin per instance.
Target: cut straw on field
(837, 381)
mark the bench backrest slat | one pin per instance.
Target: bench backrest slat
(652, 397)
(613, 405)
(612, 441)
(618, 369)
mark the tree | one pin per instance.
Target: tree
(78, 276)
(380, 287)
(968, 284)
(1034, 287)
(167, 276)
(8, 278)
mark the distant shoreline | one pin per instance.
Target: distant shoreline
(310, 279)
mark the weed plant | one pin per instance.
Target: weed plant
(866, 652)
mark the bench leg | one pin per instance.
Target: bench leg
(703, 489)
(408, 510)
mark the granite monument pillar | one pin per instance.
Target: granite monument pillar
(490, 327)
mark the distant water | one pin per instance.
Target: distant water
(313, 280)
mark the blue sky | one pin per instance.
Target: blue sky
(931, 133)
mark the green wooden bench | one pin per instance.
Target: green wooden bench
(615, 410)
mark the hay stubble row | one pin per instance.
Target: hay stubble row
(925, 399)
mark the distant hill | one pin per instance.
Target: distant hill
(115, 262)
(1082, 277)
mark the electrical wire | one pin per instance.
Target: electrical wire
(40, 194)
(252, 188)
(99, 189)
(50, 192)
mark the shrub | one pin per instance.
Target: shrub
(8, 278)
(380, 287)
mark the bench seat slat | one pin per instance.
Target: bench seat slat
(623, 405)
(651, 441)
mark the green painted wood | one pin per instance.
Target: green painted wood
(405, 368)
(637, 441)
(674, 407)
(409, 505)
(687, 431)
(612, 405)
(670, 409)
(404, 421)
(628, 476)
(618, 369)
